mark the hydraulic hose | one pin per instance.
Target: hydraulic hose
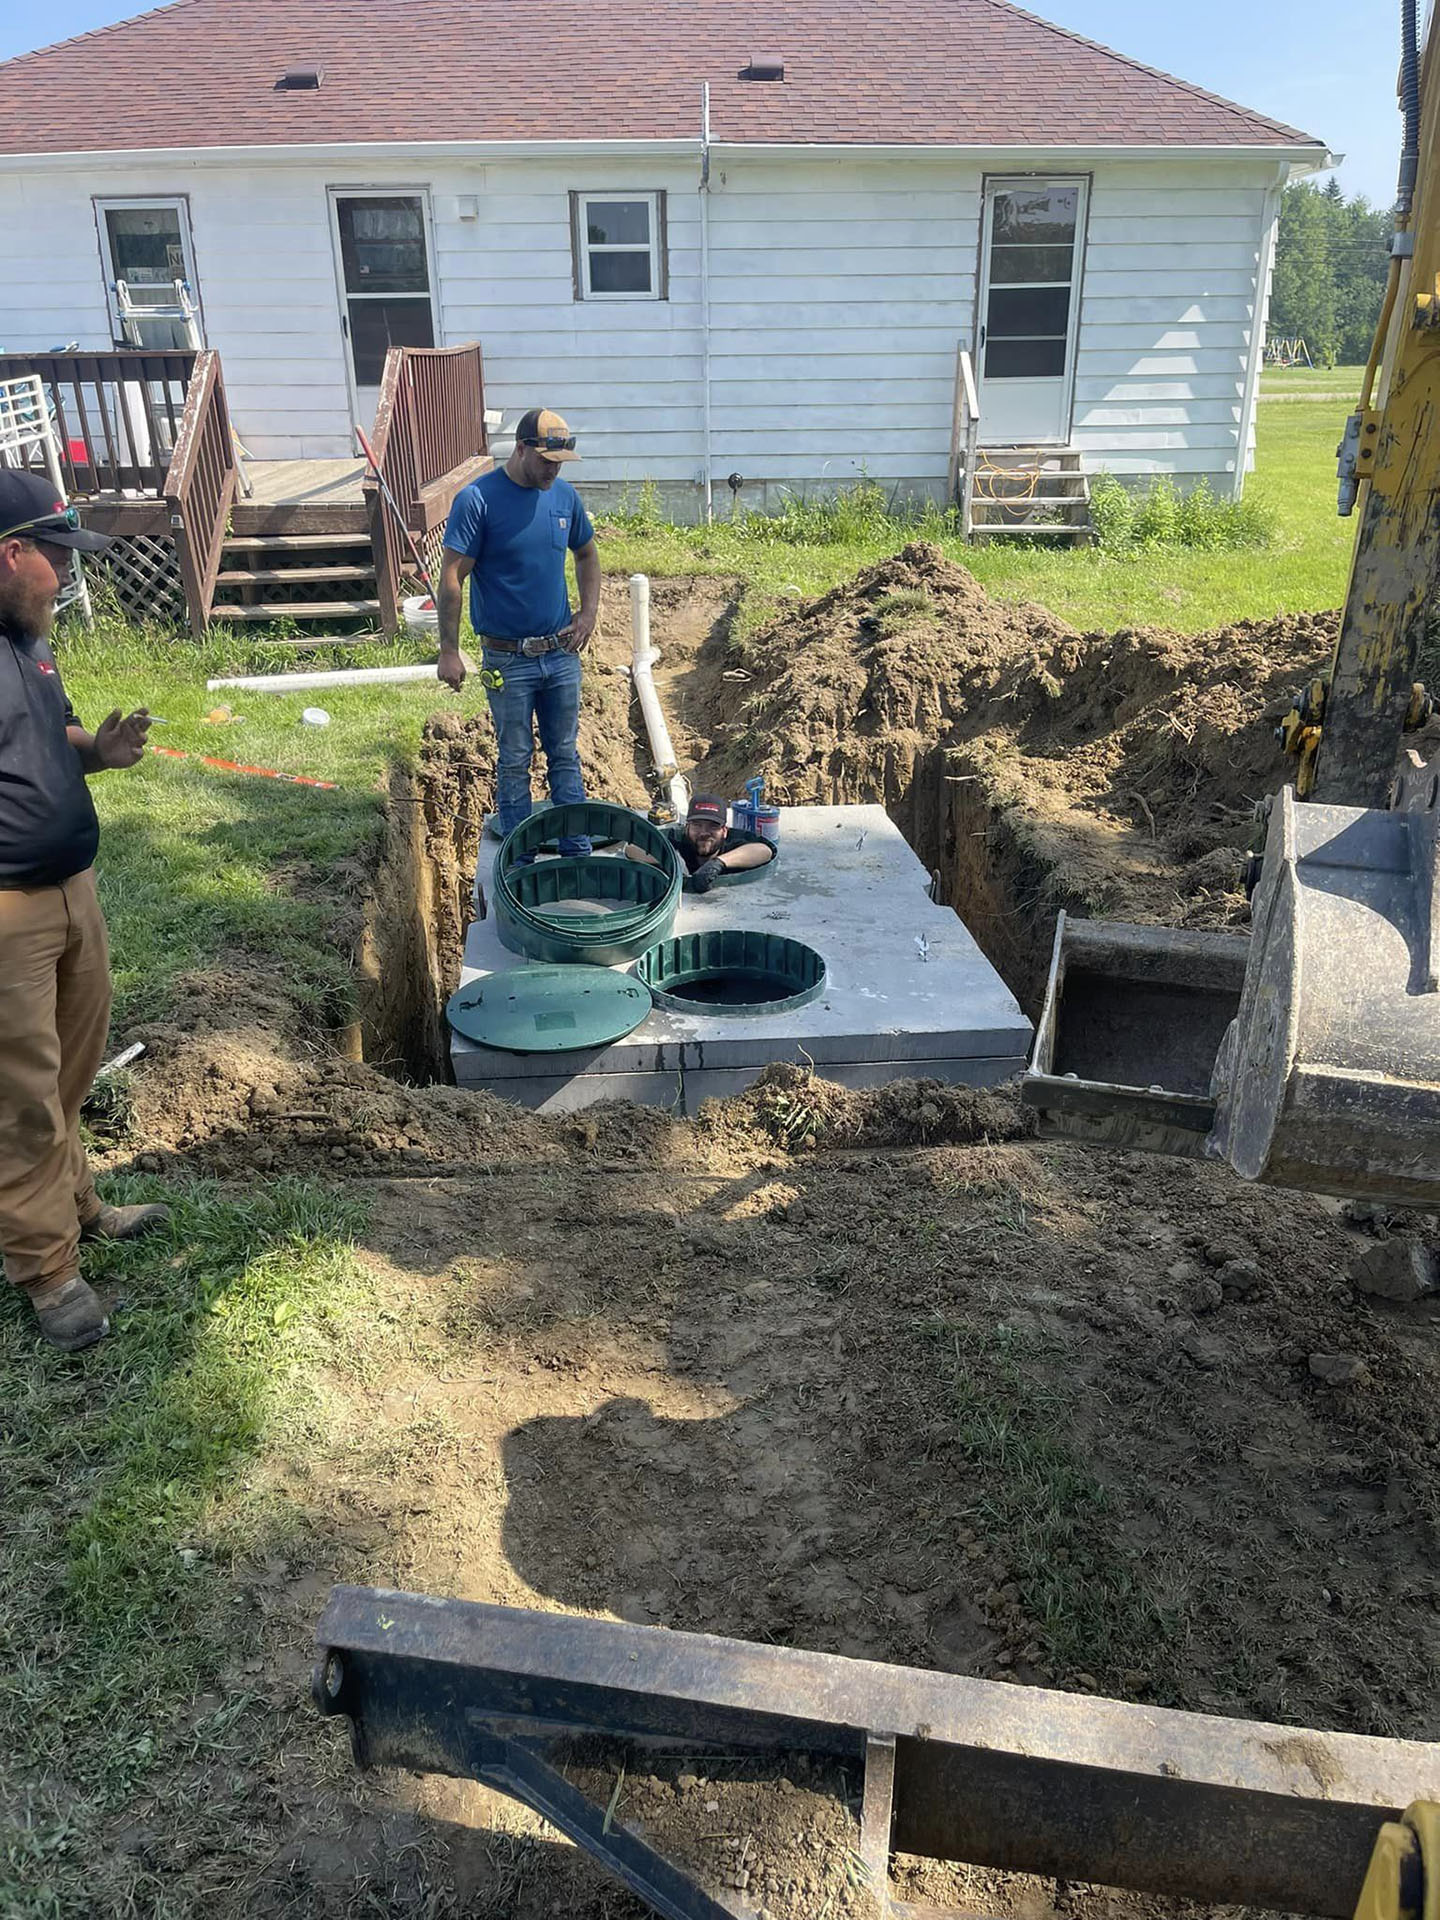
(1405, 187)
(1410, 108)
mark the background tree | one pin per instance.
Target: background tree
(1331, 258)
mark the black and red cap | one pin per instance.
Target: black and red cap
(30, 505)
(707, 809)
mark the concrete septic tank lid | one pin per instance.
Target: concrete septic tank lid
(731, 971)
(548, 1009)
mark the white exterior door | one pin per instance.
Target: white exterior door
(1031, 255)
(383, 259)
(146, 243)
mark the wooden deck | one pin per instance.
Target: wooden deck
(309, 483)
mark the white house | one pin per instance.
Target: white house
(721, 237)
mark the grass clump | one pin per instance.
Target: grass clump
(1083, 1595)
(1134, 520)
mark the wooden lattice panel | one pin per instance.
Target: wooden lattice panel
(142, 574)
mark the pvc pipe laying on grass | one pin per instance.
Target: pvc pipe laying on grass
(334, 677)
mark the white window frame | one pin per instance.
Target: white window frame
(584, 246)
(176, 203)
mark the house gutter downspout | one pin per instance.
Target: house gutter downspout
(1265, 264)
(705, 429)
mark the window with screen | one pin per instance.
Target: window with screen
(1031, 279)
(619, 244)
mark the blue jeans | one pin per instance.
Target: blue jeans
(544, 693)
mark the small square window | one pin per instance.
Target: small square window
(619, 243)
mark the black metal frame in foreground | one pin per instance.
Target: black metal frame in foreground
(1230, 1811)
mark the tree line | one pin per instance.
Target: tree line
(1331, 259)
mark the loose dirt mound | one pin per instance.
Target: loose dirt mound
(1110, 773)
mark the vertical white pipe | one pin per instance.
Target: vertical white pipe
(641, 651)
(705, 432)
(642, 659)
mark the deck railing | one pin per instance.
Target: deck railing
(200, 486)
(116, 415)
(964, 441)
(429, 441)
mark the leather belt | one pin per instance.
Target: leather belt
(555, 644)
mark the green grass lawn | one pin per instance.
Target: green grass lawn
(1298, 383)
(197, 861)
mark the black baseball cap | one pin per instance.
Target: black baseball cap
(30, 504)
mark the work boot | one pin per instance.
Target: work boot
(70, 1313)
(125, 1223)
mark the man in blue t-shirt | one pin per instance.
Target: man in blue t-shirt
(508, 534)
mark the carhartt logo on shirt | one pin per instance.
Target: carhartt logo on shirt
(563, 522)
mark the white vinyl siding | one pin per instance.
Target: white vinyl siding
(839, 288)
(1170, 318)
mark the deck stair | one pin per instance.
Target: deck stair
(309, 580)
(1033, 492)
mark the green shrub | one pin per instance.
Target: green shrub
(1130, 520)
(862, 514)
(639, 512)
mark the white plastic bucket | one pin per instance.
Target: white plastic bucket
(420, 614)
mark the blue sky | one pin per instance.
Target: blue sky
(1326, 66)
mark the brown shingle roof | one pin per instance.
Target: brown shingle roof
(202, 73)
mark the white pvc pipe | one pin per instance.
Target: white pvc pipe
(642, 660)
(336, 677)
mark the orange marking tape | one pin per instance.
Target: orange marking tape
(235, 766)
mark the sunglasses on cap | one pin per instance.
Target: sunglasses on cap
(551, 442)
(50, 522)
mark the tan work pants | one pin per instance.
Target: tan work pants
(54, 1016)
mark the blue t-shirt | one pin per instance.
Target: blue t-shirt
(517, 537)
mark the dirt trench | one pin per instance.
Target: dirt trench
(1031, 768)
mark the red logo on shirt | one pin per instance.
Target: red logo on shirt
(46, 666)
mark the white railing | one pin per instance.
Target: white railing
(27, 441)
(964, 439)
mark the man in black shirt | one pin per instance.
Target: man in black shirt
(709, 847)
(54, 962)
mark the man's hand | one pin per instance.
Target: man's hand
(121, 743)
(451, 668)
(577, 635)
(704, 877)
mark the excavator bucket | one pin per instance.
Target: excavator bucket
(1306, 1055)
(1133, 1019)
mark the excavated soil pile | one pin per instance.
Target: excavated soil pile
(1031, 766)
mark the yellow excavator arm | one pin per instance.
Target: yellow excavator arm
(1307, 1054)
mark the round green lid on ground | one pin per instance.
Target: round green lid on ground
(548, 1009)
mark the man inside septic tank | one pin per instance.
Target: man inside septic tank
(709, 846)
